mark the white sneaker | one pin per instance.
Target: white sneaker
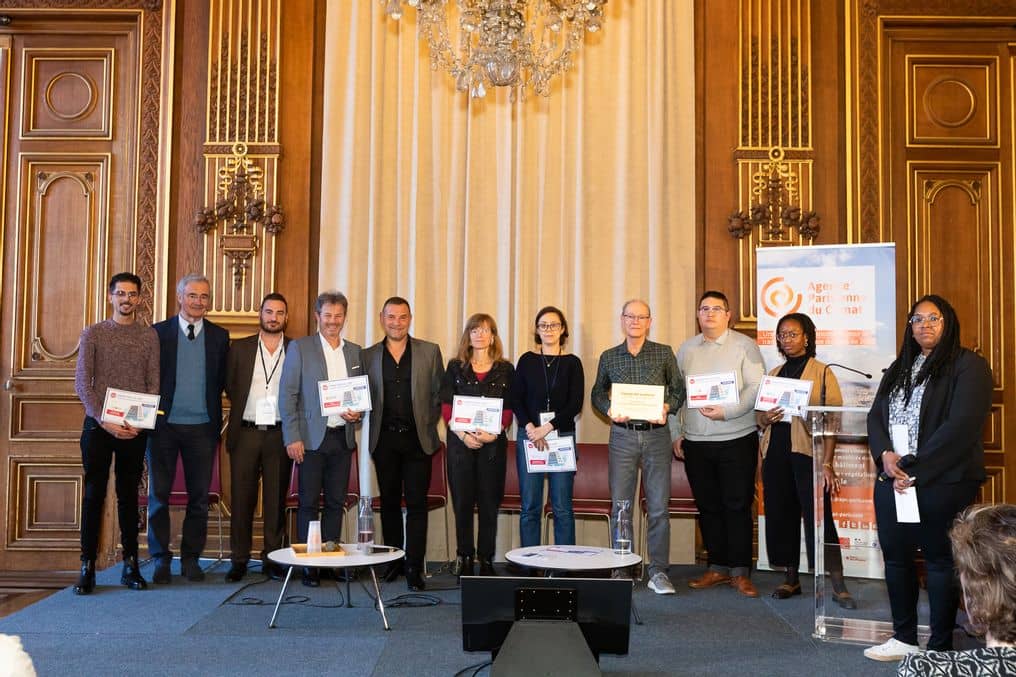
(660, 584)
(891, 650)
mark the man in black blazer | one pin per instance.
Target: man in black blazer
(192, 365)
(254, 438)
(405, 387)
(322, 445)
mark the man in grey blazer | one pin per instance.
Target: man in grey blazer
(405, 384)
(323, 446)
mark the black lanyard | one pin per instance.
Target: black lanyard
(278, 358)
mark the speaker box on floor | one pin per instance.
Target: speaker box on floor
(551, 648)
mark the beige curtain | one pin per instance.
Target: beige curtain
(580, 200)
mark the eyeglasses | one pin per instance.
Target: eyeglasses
(705, 310)
(788, 335)
(634, 318)
(925, 319)
(120, 294)
(549, 326)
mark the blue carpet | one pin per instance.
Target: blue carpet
(218, 628)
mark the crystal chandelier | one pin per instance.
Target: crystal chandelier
(503, 43)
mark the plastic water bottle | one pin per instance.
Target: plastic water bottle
(365, 526)
(622, 527)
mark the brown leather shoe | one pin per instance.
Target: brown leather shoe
(744, 586)
(708, 580)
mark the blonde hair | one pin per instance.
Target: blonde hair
(984, 551)
(496, 350)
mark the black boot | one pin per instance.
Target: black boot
(462, 566)
(487, 567)
(86, 581)
(131, 576)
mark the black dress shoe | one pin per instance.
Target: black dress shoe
(192, 570)
(487, 567)
(236, 572)
(462, 566)
(162, 575)
(131, 576)
(311, 577)
(414, 581)
(393, 571)
(86, 581)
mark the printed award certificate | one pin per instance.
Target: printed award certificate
(638, 402)
(123, 407)
(344, 394)
(790, 393)
(472, 414)
(558, 457)
(710, 390)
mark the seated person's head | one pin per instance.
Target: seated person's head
(984, 549)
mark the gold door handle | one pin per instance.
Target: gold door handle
(9, 385)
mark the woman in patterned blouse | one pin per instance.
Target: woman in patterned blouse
(925, 429)
(984, 547)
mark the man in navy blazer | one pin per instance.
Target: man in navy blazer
(192, 365)
(322, 445)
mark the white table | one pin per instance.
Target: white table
(287, 558)
(570, 558)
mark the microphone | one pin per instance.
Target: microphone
(822, 400)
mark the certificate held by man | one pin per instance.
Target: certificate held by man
(123, 407)
(637, 402)
(473, 414)
(712, 390)
(344, 394)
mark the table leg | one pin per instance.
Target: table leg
(380, 602)
(282, 593)
(349, 595)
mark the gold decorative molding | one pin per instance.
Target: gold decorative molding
(774, 156)
(241, 153)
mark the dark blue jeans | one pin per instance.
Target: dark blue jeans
(531, 489)
(324, 469)
(196, 446)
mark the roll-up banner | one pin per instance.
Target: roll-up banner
(849, 291)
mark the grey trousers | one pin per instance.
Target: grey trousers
(652, 450)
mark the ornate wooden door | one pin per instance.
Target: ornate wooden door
(69, 121)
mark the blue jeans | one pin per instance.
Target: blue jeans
(531, 488)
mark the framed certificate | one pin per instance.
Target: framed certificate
(639, 402)
(711, 390)
(558, 457)
(791, 394)
(123, 407)
(344, 394)
(472, 414)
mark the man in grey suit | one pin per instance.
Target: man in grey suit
(323, 446)
(405, 384)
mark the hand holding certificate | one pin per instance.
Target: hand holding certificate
(558, 456)
(126, 408)
(790, 394)
(637, 402)
(473, 414)
(712, 390)
(343, 395)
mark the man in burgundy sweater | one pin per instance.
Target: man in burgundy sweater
(124, 354)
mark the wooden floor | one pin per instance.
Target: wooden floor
(19, 589)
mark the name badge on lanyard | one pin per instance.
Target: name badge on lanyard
(265, 410)
(547, 417)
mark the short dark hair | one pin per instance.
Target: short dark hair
(274, 296)
(395, 301)
(807, 326)
(713, 294)
(331, 297)
(564, 323)
(124, 277)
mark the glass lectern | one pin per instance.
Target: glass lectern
(856, 540)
